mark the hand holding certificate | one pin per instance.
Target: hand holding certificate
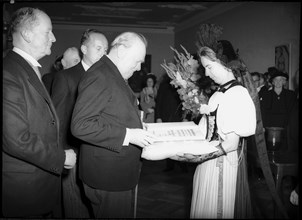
(177, 139)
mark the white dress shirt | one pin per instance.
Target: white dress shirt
(32, 61)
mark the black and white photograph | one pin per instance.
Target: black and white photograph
(163, 110)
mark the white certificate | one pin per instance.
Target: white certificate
(177, 138)
(176, 131)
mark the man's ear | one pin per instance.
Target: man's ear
(63, 63)
(121, 51)
(26, 35)
(84, 49)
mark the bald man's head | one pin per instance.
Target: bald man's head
(71, 57)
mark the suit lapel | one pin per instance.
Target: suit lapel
(31, 75)
(41, 89)
(35, 82)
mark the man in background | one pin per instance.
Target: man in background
(33, 158)
(70, 58)
(259, 80)
(64, 94)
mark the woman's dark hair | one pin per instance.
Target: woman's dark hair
(149, 76)
(209, 53)
(228, 52)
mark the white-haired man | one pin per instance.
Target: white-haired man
(33, 158)
(106, 117)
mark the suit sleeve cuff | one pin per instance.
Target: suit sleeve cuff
(127, 138)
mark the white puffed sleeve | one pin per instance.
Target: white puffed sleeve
(236, 113)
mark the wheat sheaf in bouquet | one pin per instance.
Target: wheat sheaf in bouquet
(183, 76)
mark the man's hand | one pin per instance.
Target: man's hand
(294, 198)
(141, 137)
(150, 110)
(70, 159)
(204, 109)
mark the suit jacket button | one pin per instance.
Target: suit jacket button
(53, 122)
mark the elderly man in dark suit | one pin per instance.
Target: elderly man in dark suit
(64, 94)
(106, 117)
(32, 157)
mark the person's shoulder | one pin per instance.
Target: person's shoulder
(236, 89)
(236, 93)
(265, 92)
(97, 72)
(165, 84)
(72, 71)
(263, 89)
(289, 91)
(48, 75)
(11, 56)
(104, 60)
(13, 61)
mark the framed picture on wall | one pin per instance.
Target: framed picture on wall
(282, 58)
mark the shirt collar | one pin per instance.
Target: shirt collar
(85, 66)
(26, 56)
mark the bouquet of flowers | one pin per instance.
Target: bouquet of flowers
(184, 76)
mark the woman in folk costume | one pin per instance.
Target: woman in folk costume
(234, 116)
(220, 185)
(225, 193)
(231, 115)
